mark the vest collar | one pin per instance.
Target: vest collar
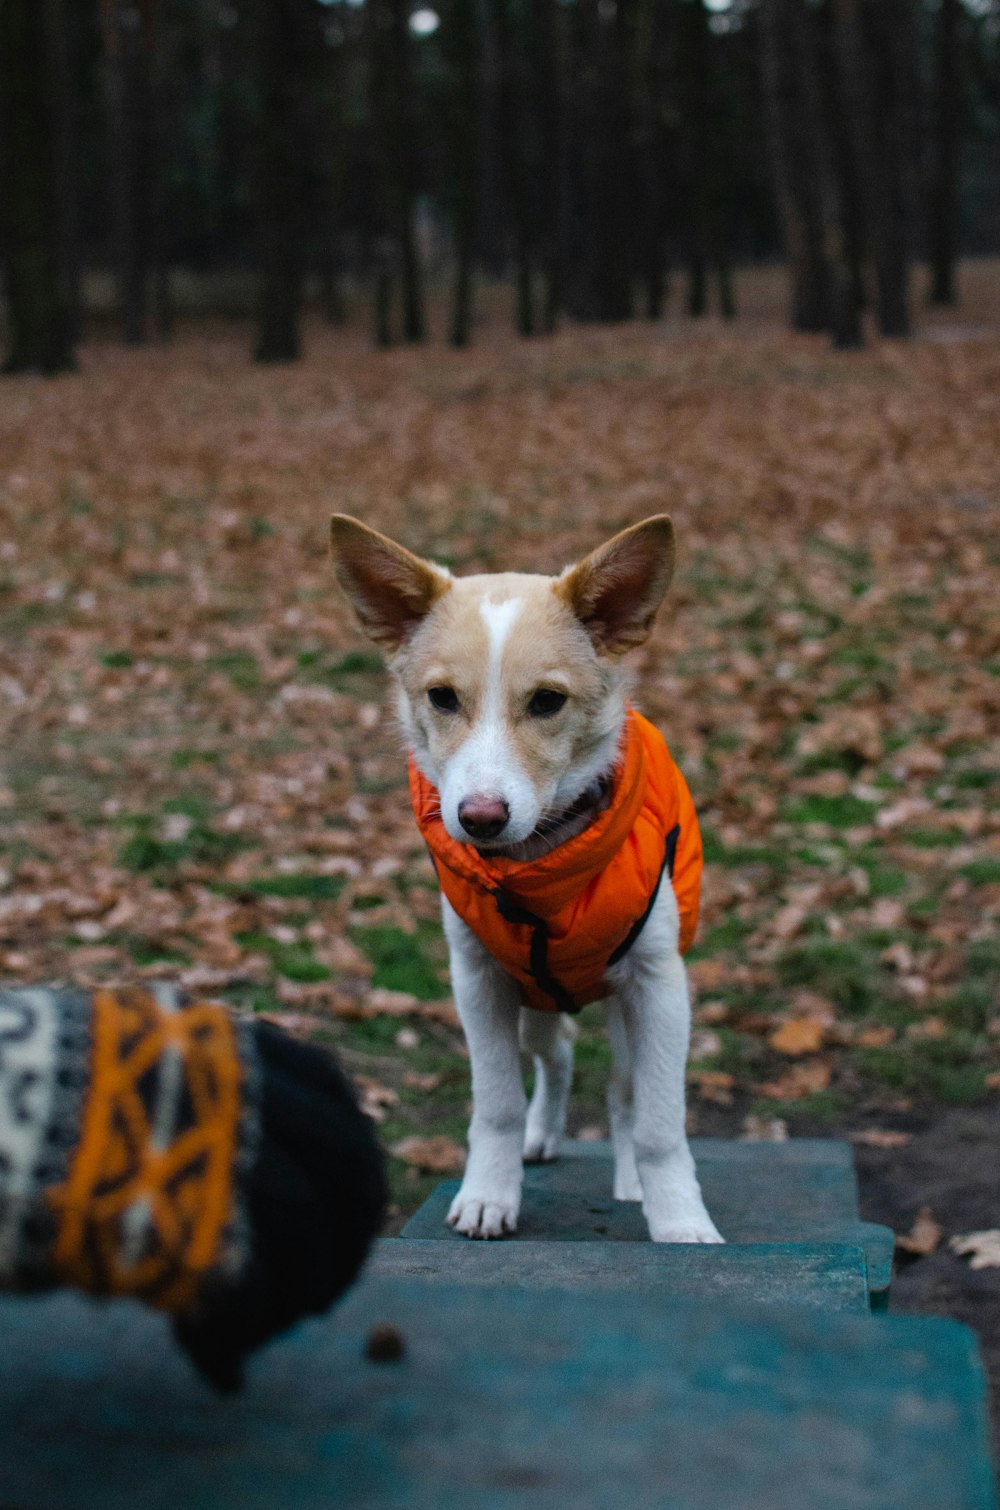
(543, 886)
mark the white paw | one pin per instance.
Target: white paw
(686, 1230)
(541, 1147)
(483, 1216)
(626, 1186)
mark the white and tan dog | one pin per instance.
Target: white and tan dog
(513, 702)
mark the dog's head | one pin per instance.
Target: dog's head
(512, 693)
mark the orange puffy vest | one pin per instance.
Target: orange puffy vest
(555, 924)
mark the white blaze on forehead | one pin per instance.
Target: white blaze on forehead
(498, 618)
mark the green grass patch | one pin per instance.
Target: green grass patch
(146, 852)
(840, 812)
(932, 838)
(241, 668)
(117, 660)
(883, 880)
(944, 1069)
(299, 884)
(294, 961)
(183, 760)
(846, 972)
(982, 872)
(822, 1106)
(725, 935)
(411, 962)
(975, 779)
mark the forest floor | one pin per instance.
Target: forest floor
(200, 775)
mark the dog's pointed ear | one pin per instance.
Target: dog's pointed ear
(389, 588)
(616, 590)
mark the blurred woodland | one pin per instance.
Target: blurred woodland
(606, 158)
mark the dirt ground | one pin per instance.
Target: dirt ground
(200, 776)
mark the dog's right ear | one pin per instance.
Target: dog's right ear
(389, 588)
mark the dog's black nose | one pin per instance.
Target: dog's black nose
(483, 817)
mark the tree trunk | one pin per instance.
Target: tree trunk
(876, 50)
(791, 98)
(945, 197)
(461, 44)
(119, 62)
(393, 122)
(155, 75)
(656, 113)
(61, 31)
(698, 126)
(281, 47)
(548, 91)
(514, 126)
(38, 319)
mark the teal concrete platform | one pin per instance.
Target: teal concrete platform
(828, 1275)
(800, 1191)
(545, 1399)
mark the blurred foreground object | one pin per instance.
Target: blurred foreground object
(155, 1147)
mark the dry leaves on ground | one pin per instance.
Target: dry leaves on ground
(437, 1155)
(923, 1237)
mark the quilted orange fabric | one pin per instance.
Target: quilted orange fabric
(557, 923)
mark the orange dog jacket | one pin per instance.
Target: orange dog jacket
(555, 924)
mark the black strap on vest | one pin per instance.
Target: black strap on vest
(669, 856)
(511, 912)
(539, 956)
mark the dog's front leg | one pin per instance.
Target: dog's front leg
(488, 1203)
(652, 993)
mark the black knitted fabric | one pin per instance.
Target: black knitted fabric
(306, 1189)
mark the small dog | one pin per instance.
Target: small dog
(552, 811)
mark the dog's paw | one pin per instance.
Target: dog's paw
(626, 1186)
(686, 1230)
(482, 1216)
(541, 1147)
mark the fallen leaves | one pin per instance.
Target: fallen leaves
(923, 1237)
(799, 1035)
(881, 1137)
(437, 1155)
(801, 1080)
(188, 717)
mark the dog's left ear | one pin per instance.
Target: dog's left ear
(390, 589)
(616, 590)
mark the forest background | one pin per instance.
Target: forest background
(737, 261)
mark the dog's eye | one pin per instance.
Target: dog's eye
(444, 699)
(546, 702)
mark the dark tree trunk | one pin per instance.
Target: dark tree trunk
(120, 61)
(414, 327)
(62, 32)
(461, 44)
(39, 336)
(514, 127)
(658, 114)
(548, 90)
(606, 184)
(945, 197)
(877, 56)
(393, 116)
(698, 126)
(282, 61)
(791, 98)
(155, 73)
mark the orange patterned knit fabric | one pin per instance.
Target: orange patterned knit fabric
(148, 1195)
(159, 1148)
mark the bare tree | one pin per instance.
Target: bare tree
(794, 113)
(944, 207)
(39, 335)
